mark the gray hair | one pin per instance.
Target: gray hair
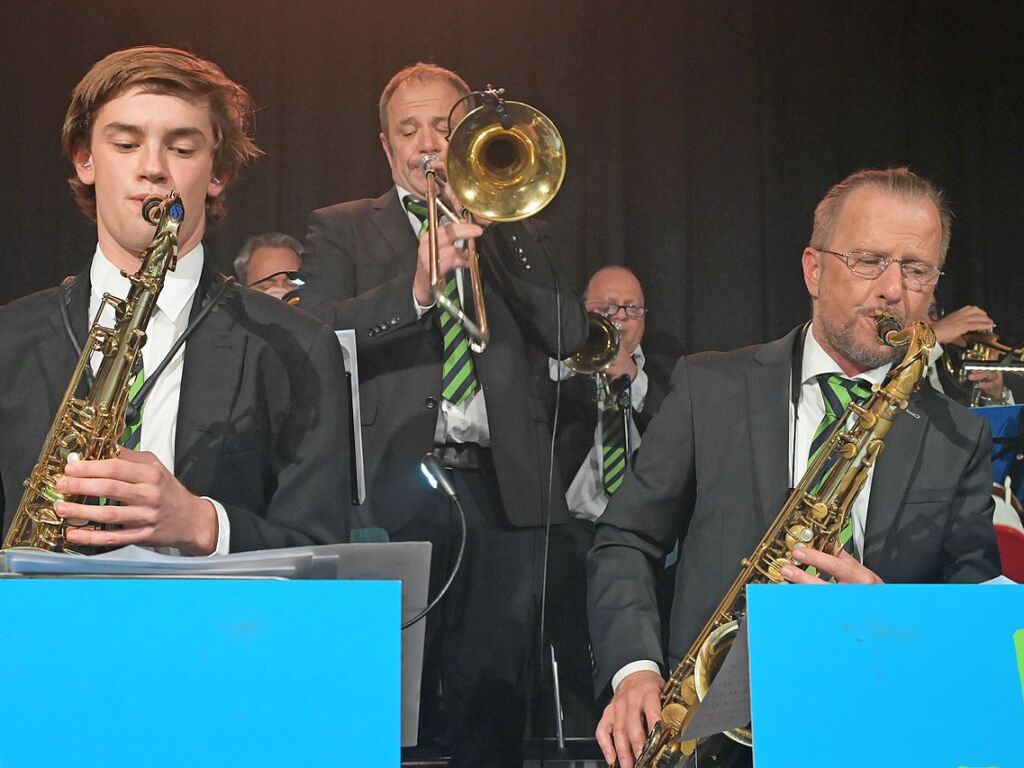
(421, 70)
(899, 182)
(266, 240)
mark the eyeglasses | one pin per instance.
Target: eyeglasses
(295, 278)
(917, 274)
(610, 309)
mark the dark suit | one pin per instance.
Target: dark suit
(567, 594)
(262, 424)
(360, 269)
(713, 470)
(360, 274)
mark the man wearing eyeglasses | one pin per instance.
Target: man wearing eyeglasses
(736, 432)
(614, 293)
(600, 432)
(270, 263)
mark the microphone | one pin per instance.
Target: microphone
(131, 414)
(434, 472)
(493, 99)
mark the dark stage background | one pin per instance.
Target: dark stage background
(700, 135)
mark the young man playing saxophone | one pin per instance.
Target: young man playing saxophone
(243, 433)
(735, 433)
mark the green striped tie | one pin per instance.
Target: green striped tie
(837, 392)
(613, 448)
(458, 377)
(132, 434)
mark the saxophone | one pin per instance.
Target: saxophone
(813, 516)
(89, 427)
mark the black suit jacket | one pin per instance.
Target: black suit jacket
(262, 419)
(360, 272)
(712, 470)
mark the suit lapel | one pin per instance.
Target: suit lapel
(393, 224)
(892, 475)
(75, 297)
(209, 385)
(768, 382)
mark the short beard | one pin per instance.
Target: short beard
(843, 339)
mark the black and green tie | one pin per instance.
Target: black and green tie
(837, 392)
(132, 433)
(613, 448)
(458, 378)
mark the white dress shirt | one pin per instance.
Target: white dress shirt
(168, 322)
(586, 496)
(467, 421)
(811, 408)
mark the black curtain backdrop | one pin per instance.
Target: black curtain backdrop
(700, 135)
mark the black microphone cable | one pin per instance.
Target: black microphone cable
(434, 472)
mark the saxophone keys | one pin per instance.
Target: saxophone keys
(775, 568)
(798, 536)
(674, 714)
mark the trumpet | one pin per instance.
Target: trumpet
(598, 353)
(505, 162)
(984, 352)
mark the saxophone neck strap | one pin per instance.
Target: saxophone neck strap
(214, 296)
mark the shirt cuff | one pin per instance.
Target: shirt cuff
(420, 310)
(223, 528)
(629, 669)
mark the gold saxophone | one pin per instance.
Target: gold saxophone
(813, 516)
(89, 427)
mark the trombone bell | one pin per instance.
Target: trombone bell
(505, 174)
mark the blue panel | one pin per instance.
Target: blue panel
(901, 675)
(1005, 421)
(199, 673)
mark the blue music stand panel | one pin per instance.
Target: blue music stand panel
(157, 672)
(901, 675)
(1007, 442)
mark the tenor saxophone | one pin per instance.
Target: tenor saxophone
(89, 427)
(813, 516)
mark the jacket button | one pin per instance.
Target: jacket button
(431, 403)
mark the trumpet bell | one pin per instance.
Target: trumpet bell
(600, 348)
(505, 174)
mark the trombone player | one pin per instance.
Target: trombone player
(482, 414)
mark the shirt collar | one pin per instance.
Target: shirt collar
(638, 357)
(816, 362)
(413, 218)
(179, 285)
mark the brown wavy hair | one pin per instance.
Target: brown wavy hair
(161, 69)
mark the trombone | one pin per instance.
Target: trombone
(506, 162)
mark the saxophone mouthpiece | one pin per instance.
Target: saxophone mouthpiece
(151, 209)
(154, 207)
(887, 326)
